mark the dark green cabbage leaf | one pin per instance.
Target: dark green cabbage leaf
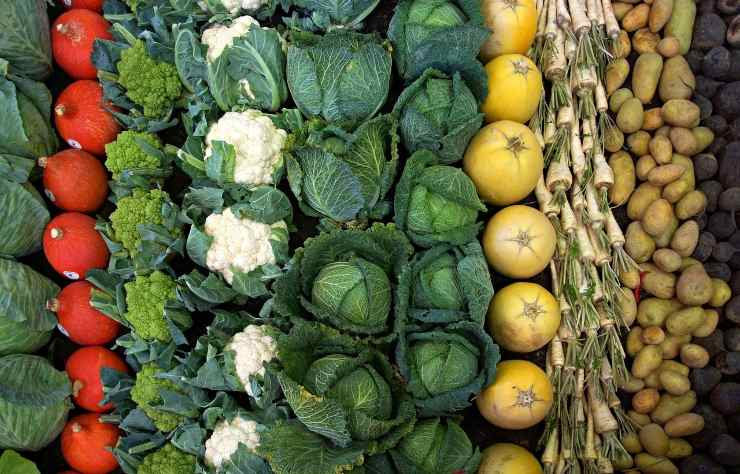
(24, 38)
(24, 217)
(13, 463)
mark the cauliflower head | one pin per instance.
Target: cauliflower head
(226, 438)
(235, 6)
(219, 37)
(167, 460)
(141, 207)
(252, 348)
(146, 297)
(152, 84)
(125, 154)
(145, 393)
(238, 244)
(258, 144)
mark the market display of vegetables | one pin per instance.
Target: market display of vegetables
(413, 236)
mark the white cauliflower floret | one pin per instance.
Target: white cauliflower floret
(238, 244)
(234, 6)
(258, 144)
(226, 437)
(219, 37)
(252, 348)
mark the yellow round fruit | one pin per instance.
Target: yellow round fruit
(505, 161)
(519, 397)
(523, 317)
(514, 89)
(507, 458)
(519, 242)
(513, 24)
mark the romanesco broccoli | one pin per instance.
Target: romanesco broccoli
(153, 85)
(146, 394)
(167, 460)
(141, 207)
(125, 154)
(146, 297)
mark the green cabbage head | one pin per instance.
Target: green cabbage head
(436, 14)
(357, 291)
(442, 366)
(436, 445)
(438, 285)
(34, 402)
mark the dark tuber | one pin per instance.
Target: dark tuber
(705, 379)
(733, 33)
(732, 339)
(700, 464)
(722, 225)
(714, 425)
(713, 343)
(723, 252)
(732, 309)
(725, 398)
(711, 189)
(728, 363)
(718, 270)
(718, 125)
(725, 450)
(705, 246)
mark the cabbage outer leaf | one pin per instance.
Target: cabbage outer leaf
(24, 38)
(24, 217)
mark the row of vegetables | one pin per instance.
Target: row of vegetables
(394, 267)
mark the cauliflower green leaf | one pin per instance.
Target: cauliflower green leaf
(313, 15)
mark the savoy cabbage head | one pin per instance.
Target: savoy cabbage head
(343, 77)
(436, 203)
(438, 113)
(442, 34)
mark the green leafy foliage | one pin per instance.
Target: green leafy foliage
(34, 402)
(25, 108)
(221, 8)
(24, 217)
(13, 463)
(153, 85)
(14, 168)
(167, 460)
(342, 76)
(371, 260)
(438, 114)
(436, 203)
(344, 177)
(25, 322)
(442, 34)
(446, 284)
(327, 15)
(444, 368)
(24, 38)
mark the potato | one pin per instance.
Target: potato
(636, 18)
(704, 137)
(644, 166)
(627, 306)
(618, 97)
(613, 139)
(632, 385)
(668, 47)
(686, 238)
(665, 174)
(680, 112)
(646, 76)
(694, 356)
(677, 80)
(652, 335)
(647, 360)
(621, 9)
(684, 425)
(653, 381)
(641, 198)
(630, 115)
(678, 448)
(657, 217)
(661, 149)
(638, 243)
(664, 130)
(657, 282)
(660, 13)
(673, 405)
(622, 47)
(664, 240)
(653, 119)
(721, 293)
(645, 400)
(624, 178)
(622, 462)
(616, 73)
(640, 419)
(674, 366)
(671, 346)
(673, 382)
(667, 260)
(645, 41)
(631, 442)
(648, 464)
(684, 142)
(679, 188)
(654, 440)
(689, 262)
(684, 321)
(633, 344)
(681, 23)
(638, 142)
(692, 204)
(711, 319)
(694, 286)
